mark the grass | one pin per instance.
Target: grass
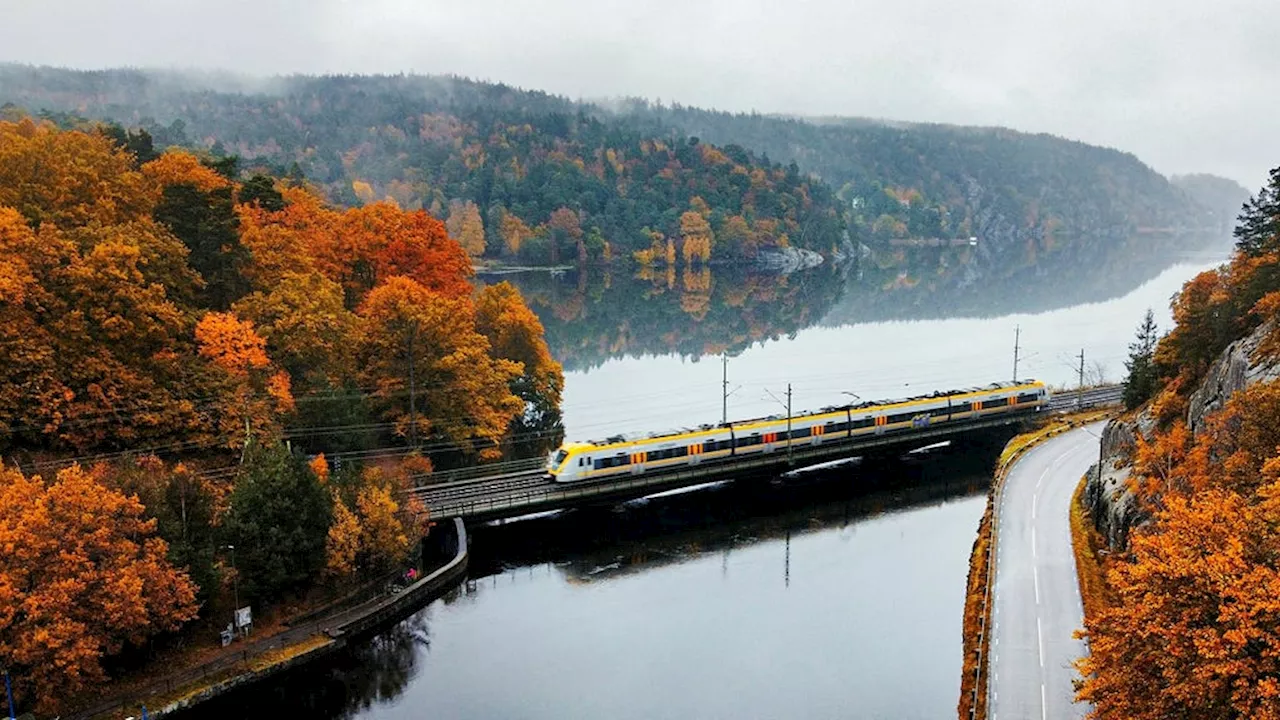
(1088, 544)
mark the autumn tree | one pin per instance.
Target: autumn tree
(69, 179)
(254, 393)
(278, 521)
(306, 327)
(736, 238)
(342, 543)
(377, 521)
(1140, 384)
(695, 233)
(466, 227)
(378, 241)
(82, 576)
(1196, 629)
(564, 230)
(516, 334)
(416, 339)
(514, 233)
(184, 505)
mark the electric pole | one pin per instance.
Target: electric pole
(1017, 335)
(724, 389)
(1080, 396)
(413, 389)
(788, 423)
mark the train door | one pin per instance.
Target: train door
(637, 462)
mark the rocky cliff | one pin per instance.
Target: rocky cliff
(1112, 504)
(1238, 367)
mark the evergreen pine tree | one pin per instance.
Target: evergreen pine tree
(1259, 226)
(278, 522)
(1140, 385)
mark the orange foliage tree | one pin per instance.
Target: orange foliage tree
(466, 227)
(69, 179)
(469, 399)
(256, 394)
(1196, 631)
(82, 575)
(516, 334)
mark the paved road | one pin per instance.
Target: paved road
(1036, 597)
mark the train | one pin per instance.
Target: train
(660, 452)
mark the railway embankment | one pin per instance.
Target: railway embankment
(303, 643)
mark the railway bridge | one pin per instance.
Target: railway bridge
(523, 487)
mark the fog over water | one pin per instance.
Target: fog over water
(1186, 85)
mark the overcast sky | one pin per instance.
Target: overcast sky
(1187, 85)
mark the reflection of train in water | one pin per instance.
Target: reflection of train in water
(621, 455)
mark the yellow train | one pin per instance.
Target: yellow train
(578, 461)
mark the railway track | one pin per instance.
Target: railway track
(458, 492)
(1091, 397)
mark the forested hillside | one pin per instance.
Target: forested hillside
(517, 174)
(526, 176)
(912, 181)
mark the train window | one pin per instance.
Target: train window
(1028, 398)
(863, 423)
(900, 417)
(999, 402)
(939, 412)
(748, 441)
(800, 433)
(961, 408)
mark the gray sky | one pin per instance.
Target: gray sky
(1187, 85)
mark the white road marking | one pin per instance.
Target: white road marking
(1044, 705)
(1035, 574)
(1040, 638)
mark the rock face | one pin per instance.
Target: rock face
(788, 260)
(1234, 370)
(1111, 503)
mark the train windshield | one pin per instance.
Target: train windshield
(558, 458)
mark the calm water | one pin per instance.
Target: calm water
(838, 597)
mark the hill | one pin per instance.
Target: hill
(521, 175)
(529, 176)
(1010, 190)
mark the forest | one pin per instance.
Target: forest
(1189, 624)
(927, 181)
(196, 357)
(519, 176)
(526, 177)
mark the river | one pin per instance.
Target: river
(837, 595)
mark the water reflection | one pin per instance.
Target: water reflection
(753, 599)
(598, 314)
(926, 283)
